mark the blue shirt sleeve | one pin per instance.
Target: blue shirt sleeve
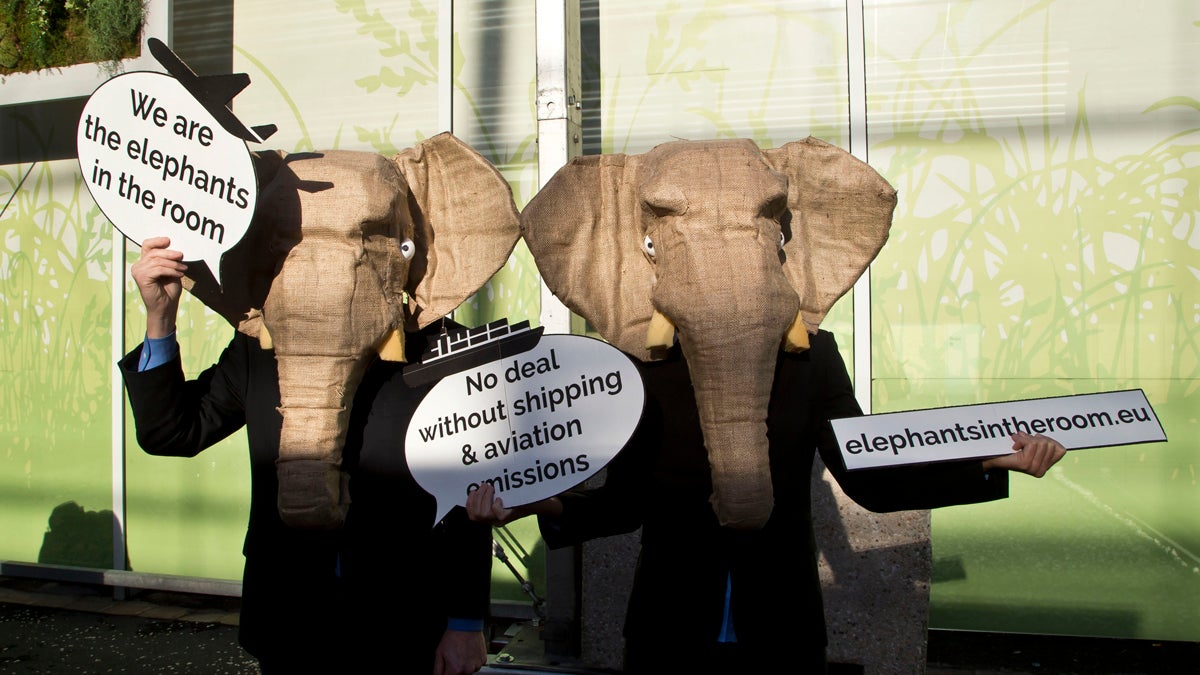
(157, 351)
(468, 625)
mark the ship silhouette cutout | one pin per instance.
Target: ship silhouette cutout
(455, 351)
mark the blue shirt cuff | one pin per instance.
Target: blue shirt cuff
(466, 625)
(157, 351)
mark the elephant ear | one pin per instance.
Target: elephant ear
(248, 267)
(841, 212)
(465, 223)
(584, 231)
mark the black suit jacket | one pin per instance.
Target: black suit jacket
(316, 598)
(661, 482)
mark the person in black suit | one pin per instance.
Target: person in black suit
(387, 590)
(710, 597)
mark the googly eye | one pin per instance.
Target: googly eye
(407, 249)
(782, 239)
(648, 246)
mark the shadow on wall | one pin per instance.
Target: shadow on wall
(81, 538)
(875, 582)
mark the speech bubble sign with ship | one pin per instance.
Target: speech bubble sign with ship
(531, 414)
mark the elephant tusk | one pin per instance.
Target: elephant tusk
(391, 348)
(796, 339)
(264, 337)
(661, 332)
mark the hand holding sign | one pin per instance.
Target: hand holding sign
(530, 425)
(1033, 455)
(158, 163)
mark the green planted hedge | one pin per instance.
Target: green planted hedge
(38, 34)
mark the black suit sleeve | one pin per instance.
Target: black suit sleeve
(616, 507)
(180, 418)
(463, 551)
(899, 488)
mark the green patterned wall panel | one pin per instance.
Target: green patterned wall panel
(55, 397)
(1045, 244)
(769, 71)
(494, 83)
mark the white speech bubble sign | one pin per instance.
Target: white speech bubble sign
(533, 425)
(158, 164)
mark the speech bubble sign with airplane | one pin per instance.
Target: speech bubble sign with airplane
(163, 155)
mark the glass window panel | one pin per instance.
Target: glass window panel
(55, 396)
(1045, 244)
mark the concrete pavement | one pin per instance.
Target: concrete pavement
(62, 628)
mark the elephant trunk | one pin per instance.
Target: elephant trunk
(731, 342)
(324, 320)
(315, 407)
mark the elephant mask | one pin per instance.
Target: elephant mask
(345, 251)
(736, 252)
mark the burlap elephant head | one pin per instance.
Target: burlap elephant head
(737, 251)
(345, 251)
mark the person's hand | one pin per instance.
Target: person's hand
(483, 506)
(1034, 455)
(460, 652)
(157, 274)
